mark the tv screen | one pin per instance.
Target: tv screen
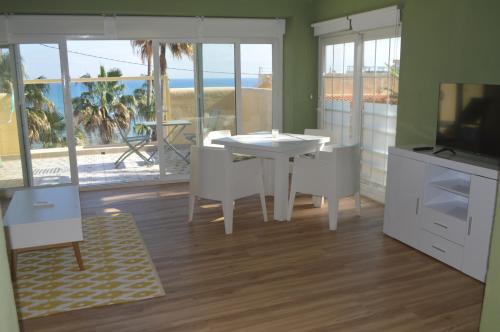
(469, 118)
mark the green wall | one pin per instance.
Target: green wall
(490, 319)
(442, 41)
(299, 45)
(8, 315)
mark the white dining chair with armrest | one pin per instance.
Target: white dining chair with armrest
(321, 132)
(207, 140)
(319, 201)
(215, 176)
(333, 173)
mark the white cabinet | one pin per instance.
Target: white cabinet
(404, 191)
(442, 207)
(479, 226)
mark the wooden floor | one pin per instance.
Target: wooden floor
(275, 276)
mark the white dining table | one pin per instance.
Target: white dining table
(280, 149)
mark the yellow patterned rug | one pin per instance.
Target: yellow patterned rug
(118, 269)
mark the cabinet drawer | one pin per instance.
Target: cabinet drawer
(441, 249)
(450, 228)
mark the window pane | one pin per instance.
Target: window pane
(256, 87)
(380, 76)
(112, 95)
(219, 88)
(11, 173)
(338, 91)
(180, 119)
(43, 98)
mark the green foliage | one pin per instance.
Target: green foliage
(145, 106)
(45, 125)
(103, 106)
(393, 91)
(5, 74)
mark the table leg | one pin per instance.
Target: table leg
(171, 136)
(280, 187)
(78, 255)
(318, 201)
(13, 263)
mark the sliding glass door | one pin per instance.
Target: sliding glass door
(112, 97)
(218, 87)
(337, 89)
(178, 109)
(359, 87)
(256, 88)
(11, 148)
(44, 114)
(380, 78)
(100, 112)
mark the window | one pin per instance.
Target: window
(337, 83)
(380, 76)
(11, 167)
(102, 105)
(256, 88)
(358, 101)
(45, 114)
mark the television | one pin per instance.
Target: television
(469, 118)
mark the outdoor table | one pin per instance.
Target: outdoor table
(176, 128)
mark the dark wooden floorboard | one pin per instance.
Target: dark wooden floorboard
(275, 276)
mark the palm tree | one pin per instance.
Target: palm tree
(45, 124)
(144, 49)
(5, 74)
(103, 106)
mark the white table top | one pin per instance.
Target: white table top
(63, 203)
(284, 143)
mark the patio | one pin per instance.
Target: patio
(94, 169)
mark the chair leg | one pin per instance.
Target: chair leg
(357, 201)
(227, 209)
(262, 193)
(291, 200)
(263, 204)
(192, 200)
(333, 204)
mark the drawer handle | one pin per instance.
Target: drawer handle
(440, 225)
(439, 249)
(470, 224)
(417, 206)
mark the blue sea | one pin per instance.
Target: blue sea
(56, 94)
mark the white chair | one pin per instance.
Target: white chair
(215, 176)
(321, 132)
(318, 201)
(334, 173)
(207, 141)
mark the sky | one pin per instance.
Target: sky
(376, 53)
(85, 57)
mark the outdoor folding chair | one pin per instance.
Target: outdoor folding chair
(134, 143)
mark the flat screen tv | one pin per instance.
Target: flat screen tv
(469, 118)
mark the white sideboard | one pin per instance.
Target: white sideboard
(443, 207)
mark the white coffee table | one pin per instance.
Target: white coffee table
(42, 219)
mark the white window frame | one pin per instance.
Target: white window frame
(358, 38)
(357, 85)
(58, 29)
